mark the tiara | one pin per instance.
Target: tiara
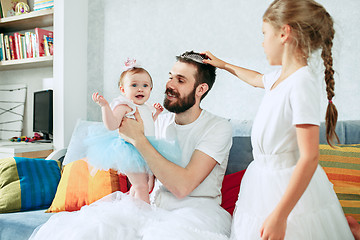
(130, 63)
(196, 57)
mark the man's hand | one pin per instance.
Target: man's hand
(132, 130)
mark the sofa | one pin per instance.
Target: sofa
(20, 225)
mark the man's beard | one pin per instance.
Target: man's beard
(181, 104)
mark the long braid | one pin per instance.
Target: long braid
(331, 111)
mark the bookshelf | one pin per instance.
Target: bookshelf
(41, 18)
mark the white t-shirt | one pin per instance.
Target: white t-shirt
(296, 100)
(209, 134)
(144, 110)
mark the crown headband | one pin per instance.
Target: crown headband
(196, 57)
(130, 64)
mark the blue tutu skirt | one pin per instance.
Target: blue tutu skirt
(107, 150)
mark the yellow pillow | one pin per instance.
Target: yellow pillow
(342, 166)
(78, 187)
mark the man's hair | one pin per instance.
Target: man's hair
(205, 73)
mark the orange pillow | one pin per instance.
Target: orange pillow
(78, 187)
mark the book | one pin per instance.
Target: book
(1, 14)
(40, 33)
(12, 47)
(2, 45)
(29, 51)
(7, 47)
(23, 46)
(48, 45)
(33, 45)
(17, 45)
(8, 7)
(43, 4)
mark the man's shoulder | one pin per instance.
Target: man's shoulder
(208, 116)
(216, 122)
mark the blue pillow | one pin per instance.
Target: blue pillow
(27, 183)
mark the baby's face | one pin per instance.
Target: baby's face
(137, 87)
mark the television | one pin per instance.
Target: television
(43, 114)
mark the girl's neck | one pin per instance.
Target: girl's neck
(291, 63)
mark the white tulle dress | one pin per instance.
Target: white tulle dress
(318, 214)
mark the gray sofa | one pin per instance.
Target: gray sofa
(20, 225)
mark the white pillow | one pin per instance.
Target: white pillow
(76, 149)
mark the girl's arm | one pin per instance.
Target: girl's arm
(308, 140)
(249, 76)
(111, 118)
(178, 180)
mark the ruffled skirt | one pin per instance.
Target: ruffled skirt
(119, 216)
(317, 215)
(107, 150)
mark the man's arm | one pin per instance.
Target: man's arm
(178, 180)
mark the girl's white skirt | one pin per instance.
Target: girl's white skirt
(317, 215)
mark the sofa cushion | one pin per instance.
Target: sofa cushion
(240, 154)
(27, 184)
(81, 185)
(230, 190)
(342, 166)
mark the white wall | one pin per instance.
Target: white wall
(70, 67)
(155, 31)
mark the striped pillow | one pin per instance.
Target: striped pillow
(80, 186)
(27, 183)
(342, 166)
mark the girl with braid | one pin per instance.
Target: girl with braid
(284, 193)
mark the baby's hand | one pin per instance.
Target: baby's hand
(99, 99)
(158, 108)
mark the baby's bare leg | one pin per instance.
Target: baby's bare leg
(354, 227)
(140, 186)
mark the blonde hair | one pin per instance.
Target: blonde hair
(133, 70)
(311, 28)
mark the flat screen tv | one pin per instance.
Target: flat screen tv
(43, 114)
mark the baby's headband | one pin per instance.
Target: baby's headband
(196, 57)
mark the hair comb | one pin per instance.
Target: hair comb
(196, 57)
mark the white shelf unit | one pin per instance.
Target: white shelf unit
(42, 18)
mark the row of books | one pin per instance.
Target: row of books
(43, 4)
(27, 45)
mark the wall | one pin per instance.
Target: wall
(155, 31)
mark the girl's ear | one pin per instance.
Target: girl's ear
(122, 89)
(285, 33)
(202, 89)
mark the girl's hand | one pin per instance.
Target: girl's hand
(99, 99)
(158, 108)
(273, 228)
(214, 61)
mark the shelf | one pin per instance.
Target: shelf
(41, 18)
(27, 63)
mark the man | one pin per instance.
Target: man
(192, 190)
